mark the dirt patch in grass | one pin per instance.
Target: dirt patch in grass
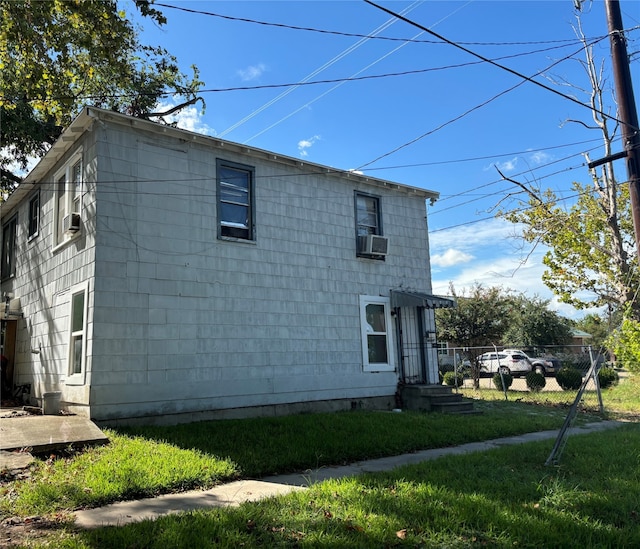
(25, 531)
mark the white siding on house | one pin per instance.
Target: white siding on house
(180, 321)
(45, 275)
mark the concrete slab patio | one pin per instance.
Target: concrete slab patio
(43, 433)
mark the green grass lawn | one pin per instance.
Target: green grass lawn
(501, 498)
(146, 461)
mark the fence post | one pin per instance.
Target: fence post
(596, 381)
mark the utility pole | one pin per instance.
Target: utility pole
(626, 109)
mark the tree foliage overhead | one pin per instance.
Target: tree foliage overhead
(57, 56)
(591, 259)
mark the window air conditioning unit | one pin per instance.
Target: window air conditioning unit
(71, 223)
(374, 244)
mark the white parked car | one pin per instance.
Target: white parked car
(509, 361)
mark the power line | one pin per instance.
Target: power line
(467, 112)
(475, 158)
(571, 168)
(567, 41)
(498, 65)
(394, 50)
(517, 210)
(306, 82)
(317, 71)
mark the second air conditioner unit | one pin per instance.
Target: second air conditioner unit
(71, 223)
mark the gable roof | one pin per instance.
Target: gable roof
(85, 120)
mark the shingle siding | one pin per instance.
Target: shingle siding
(182, 322)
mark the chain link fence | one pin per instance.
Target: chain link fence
(562, 370)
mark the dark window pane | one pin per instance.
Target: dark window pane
(34, 215)
(234, 215)
(76, 366)
(368, 218)
(375, 317)
(9, 248)
(77, 307)
(235, 202)
(377, 345)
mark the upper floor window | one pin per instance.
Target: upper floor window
(8, 267)
(68, 185)
(34, 216)
(235, 200)
(369, 240)
(368, 215)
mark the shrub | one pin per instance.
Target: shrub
(607, 377)
(569, 378)
(625, 343)
(497, 381)
(535, 381)
(453, 379)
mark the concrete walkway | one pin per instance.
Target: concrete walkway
(235, 493)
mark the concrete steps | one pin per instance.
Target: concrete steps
(435, 398)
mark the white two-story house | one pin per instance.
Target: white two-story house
(150, 272)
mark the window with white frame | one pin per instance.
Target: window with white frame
(9, 229)
(77, 331)
(377, 334)
(68, 185)
(235, 201)
(443, 348)
(34, 216)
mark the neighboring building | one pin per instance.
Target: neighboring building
(580, 340)
(150, 271)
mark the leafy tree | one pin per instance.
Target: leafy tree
(625, 343)
(532, 324)
(492, 316)
(58, 55)
(480, 318)
(591, 259)
(596, 326)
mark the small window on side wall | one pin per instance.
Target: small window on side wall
(34, 216)
(235, 201)
(9, 229)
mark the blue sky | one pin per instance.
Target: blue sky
(442, 120)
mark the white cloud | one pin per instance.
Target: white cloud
(468, 238)
(499, 259)
(252, 72)
(540, 157)
(305, 144)
(508, 165)
(189, 119)
(450, 258)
